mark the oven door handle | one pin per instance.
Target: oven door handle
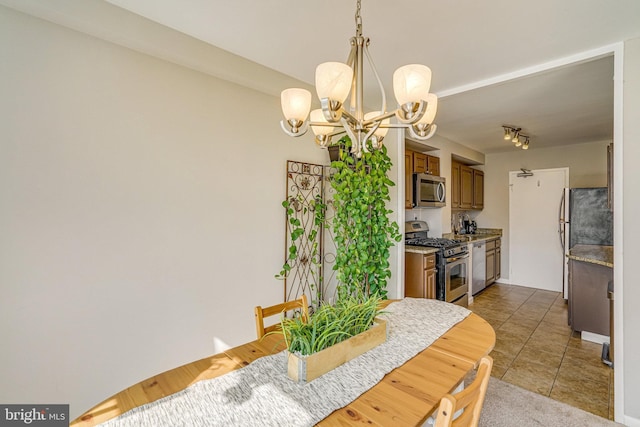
(451, 260)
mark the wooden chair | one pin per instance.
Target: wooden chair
(261, 313)
(469, 400)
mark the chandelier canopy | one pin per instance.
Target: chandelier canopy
(336, 81)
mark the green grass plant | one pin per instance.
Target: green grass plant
(330, 324)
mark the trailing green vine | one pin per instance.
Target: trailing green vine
(297, 232)
(361, 225)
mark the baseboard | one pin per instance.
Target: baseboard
(596, 338)
(631, 421)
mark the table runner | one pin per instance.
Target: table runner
(261, 394)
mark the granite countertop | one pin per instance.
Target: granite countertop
(481, 234)
(420, 250)
(595, 254)
(478, 237)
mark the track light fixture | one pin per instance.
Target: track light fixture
(514, 134)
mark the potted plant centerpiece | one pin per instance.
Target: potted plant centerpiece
(332, 335)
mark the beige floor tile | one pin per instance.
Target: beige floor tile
(535, 377)
(581, 349)
(546, 345)
(533, 354)
(509, 345)
(569, 395)
(514, 328)
(555, 318)
(518, 319)
(562, 328)
(550, 335)
(570, 371)
(501, 363)
(498, 372)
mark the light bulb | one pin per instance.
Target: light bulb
(296, 104)
(507, 133)
(333, 81)
(411, 83)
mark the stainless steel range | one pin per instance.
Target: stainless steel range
(452, 258)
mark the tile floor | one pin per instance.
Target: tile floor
(536, 349)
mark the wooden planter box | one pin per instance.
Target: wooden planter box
(308, 368)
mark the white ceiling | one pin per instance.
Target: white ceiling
(466, 43)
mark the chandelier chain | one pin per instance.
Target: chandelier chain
(358, 20)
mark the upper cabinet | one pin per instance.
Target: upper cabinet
(467, 187)
(433, 165)
(415, 162)
(408, 180)
(423, 163)
(478, 190)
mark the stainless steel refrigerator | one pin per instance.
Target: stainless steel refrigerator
(585, 219)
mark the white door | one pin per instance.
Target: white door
(535, 252)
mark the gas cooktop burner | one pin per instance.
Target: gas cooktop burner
(433, 242)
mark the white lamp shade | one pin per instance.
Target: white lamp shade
(333, 81)
(318, 116)
(380, 132)
(432, 108)
(296, 103)
(411, 83)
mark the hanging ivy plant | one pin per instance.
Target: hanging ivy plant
(361, 225)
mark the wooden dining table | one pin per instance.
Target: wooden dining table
(406, 396)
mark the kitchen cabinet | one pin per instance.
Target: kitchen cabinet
(420, 275)
(433, 165)
(423, 163)
(588, 302)
(467, 187)
(478, 190)
(420, 163)
(493, 260)
(408, 180)
(455, 185)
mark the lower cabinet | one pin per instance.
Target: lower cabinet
(588, 301)
(420, 275)
(493, 257)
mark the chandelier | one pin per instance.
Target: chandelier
(336, 81)
(515, 135)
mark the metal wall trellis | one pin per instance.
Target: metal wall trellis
(305, 184)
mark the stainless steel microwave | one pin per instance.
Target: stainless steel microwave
(428, 191)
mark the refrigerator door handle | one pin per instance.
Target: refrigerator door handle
(561, 220)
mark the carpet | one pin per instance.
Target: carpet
(507, 405)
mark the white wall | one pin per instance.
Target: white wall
(587, 165)
(140, 213)
(631, 252)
